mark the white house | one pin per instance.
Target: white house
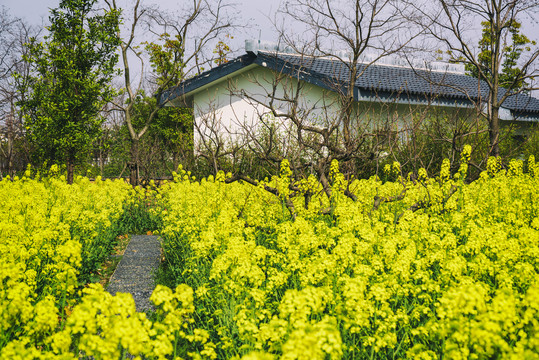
(233, 99)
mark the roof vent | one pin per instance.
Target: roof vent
(251, 46)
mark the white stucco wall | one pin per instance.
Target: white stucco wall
(238, 108)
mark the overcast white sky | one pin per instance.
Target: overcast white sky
(255, 13)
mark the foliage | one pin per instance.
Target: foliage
(53, 237)
(448, 270)
(141, 214)
(167, 59)
(172, 126)
(511, 74)
(169, 141)
(73, 68)
(531, 147)
(222, 50)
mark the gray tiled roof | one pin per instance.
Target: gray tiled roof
(378, 80)
(393, 79)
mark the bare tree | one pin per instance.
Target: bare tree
(14, 76)
(359, 27)
(350, 36)
(454, 25)
(186, 36)
(7, 41)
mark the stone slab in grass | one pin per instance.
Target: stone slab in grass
(134, 273)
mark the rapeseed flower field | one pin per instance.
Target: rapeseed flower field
(419, 267)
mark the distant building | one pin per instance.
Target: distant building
(232, 98)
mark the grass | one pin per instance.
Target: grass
(164, 275)
(107, 268)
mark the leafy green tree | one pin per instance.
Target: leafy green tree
(513, 47)
(167, 59)
(72, 71)
(169, 137)
(174, 127)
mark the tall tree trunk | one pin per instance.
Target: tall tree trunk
(134, 163)
(347, 113)
(10, 139)
(175, 161)
(495, 63)
(494, 132)
(70, 168)
(101, 160)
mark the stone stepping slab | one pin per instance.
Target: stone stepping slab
(134, 273)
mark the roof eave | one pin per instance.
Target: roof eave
(181, 93)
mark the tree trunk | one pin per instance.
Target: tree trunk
(494, 132)
(101, 160)
(10, 139)
(134, 164)
(214, 162)
(175, 161)
(70, 169)
(321, 171)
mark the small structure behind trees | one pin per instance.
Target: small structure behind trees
(271, 105)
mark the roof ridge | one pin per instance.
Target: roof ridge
(373, 63)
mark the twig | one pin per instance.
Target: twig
(379, 200)
(288, 201)
(426, 204)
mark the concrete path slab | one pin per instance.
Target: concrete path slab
(134, 274)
